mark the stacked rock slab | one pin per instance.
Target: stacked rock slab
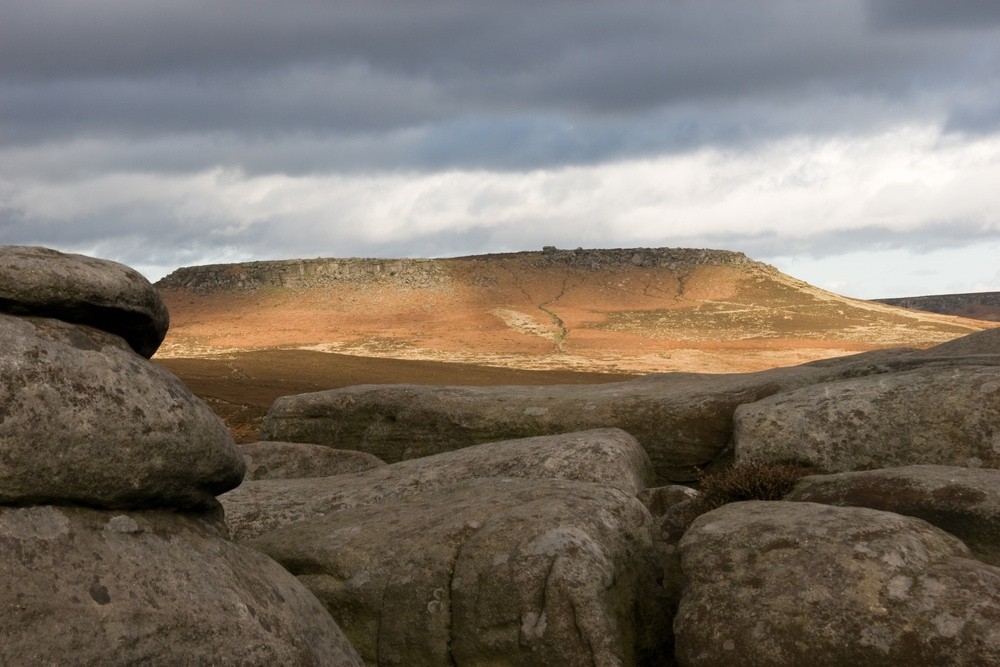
(112, 542)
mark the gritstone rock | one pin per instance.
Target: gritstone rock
(113, 547)
(782, 583)
(85, 420)
(83, 290)
(962, 501)
(947, 415)
(604, 456)
(488, 571)
(92, 587)
(683, 420)
(293, 460)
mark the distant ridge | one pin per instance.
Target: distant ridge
(310, 273)
(625, 309)
(974, 305)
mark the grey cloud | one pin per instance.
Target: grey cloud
(110, 67)
(935, 14)
(925, 238)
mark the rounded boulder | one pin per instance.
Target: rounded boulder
(84, 420)
(83, 290)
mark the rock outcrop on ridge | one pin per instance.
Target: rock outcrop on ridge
(113, 547)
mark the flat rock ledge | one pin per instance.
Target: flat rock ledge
(609, 457)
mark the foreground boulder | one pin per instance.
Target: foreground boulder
(85, 420)
(962, 501)
(604, 456)
(83, 290)
(293, 460)
(937, 415)
(487, 571)
(89, 587)
(112, 543)
(782, 583)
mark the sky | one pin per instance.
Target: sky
(854, 144)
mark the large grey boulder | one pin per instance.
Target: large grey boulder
(85, 420)
(781, 583)
(605, 456)
(947, 415)
(74, 288)
(293, 460)
(487, 571)
(94, 587)
(962, 501)
(690, 416)
(683, 420)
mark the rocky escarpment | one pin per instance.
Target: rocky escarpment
(305, 273)
(113, 546)
(417, 273)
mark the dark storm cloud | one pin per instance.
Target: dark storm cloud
(519, 83)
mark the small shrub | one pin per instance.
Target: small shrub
(750, 480)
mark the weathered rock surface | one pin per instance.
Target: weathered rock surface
(112, 544)
(74, 288)
(92, 587)
(488, 571)
(962, 501)
(604, 456)
(683, 420)
(936, 415)
(85, 420)
(780, 583)
(982, 342)
(293, 460)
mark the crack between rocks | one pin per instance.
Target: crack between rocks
(451, 602)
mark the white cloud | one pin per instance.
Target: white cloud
(797, 196)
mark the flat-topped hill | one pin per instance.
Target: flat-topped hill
(639, 310)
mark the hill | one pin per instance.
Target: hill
(623, 310)
(977, 305)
